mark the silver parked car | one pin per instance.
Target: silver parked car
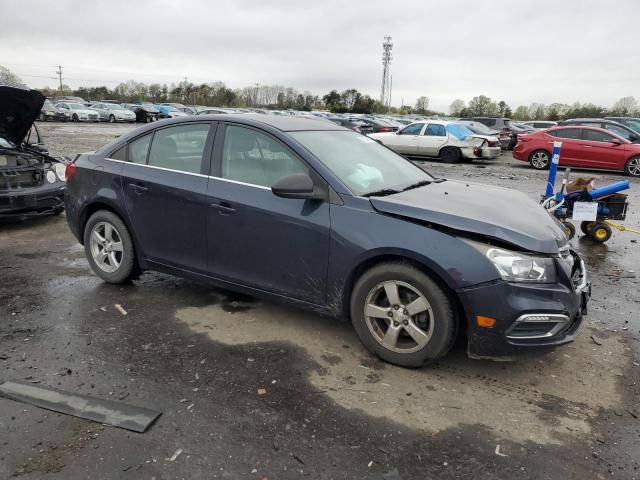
(78, 112)
(111, 112)
(450, 141)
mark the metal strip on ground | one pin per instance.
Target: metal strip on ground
(121, 415)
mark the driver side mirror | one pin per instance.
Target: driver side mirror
(616, 141)
(298, 185)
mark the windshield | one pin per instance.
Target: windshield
(621, 132)
(361, 163)
(77, 106)
(459, 131)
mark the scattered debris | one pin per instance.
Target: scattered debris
(173, 457)
(121, 415)
(103, 309)
(146, 346)
(3, 356)
(297, 458)
(594, 340)
(120, 309)
(370, 464)
(632, 413)
(499, 453)
(262, 391)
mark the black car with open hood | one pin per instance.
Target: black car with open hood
(31, 181)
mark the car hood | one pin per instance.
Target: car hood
(19, 108)
(495, 212)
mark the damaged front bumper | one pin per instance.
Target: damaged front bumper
(44, 199)
(526, 315)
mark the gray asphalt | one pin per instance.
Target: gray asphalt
(329, 409)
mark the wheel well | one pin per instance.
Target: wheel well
(93, 208)
(372, 262)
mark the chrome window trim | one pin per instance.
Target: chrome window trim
(188, 173)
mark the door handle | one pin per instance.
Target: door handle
(224, 208)
(138, 188)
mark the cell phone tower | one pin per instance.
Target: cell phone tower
(385, 90)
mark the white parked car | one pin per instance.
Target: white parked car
(111, 112)
(77, 112)
(450, 141)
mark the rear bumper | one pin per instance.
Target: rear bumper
(40, 200)
(527, 316)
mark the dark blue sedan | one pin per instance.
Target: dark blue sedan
(305, 211)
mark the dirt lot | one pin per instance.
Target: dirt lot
(331, 410)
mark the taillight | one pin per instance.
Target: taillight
(385, 129)
(70, 170)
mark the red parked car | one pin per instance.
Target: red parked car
(586, 147)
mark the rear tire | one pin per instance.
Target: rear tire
(41, 117)
(569, 230)
(540, 159)
(109, 248)
(421, 330)
(585, 227)
(450, 154)
(632, 167)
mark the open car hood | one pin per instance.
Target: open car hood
(495, 212)
(19, 108)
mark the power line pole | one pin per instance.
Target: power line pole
(390, 90)
(59, 73)
(387, 45)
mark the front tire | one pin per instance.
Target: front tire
(450, 154)
(75, 118)
(632, 167)
(109, 248)
(112, 119)
(402, 315)
(540, 159)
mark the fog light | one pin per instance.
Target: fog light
(486, 322)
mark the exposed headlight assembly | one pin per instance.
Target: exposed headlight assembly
(517, 266)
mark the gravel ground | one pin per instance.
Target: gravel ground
(330, 410)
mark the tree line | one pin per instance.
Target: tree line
(348, 101)
(483, 106)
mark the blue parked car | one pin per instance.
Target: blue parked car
(305, 211)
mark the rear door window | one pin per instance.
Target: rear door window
(139, 148)
(568, 133)
(179, 148)
(435, 130)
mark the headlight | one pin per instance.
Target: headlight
(516, 266)
(51, 177)
(60, 171)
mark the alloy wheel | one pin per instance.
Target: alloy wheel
(634, 167)
(399, 317)
(540, 160)
(106, 247)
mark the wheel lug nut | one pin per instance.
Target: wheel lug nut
(406, 312)
(405, 323)
(389, 314)
(396, 307)
(395, 324)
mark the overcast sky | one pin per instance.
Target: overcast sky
(520, 51)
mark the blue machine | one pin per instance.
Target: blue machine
(611, 204)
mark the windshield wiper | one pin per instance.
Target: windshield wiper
(382, 193)
(422, 183)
